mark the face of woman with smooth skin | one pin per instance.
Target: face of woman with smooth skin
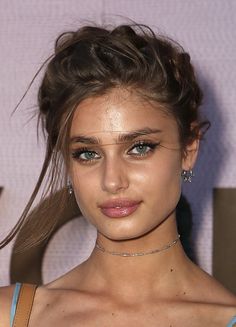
(125, 164)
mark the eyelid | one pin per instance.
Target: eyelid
(145, 142)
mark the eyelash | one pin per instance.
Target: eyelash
(152, 145)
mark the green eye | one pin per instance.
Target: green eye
(142, 148)
(89, 155)
(85, 155)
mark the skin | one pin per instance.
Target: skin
(162, 289)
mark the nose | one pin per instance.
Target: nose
(115, 176)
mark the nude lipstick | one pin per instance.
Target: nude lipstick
(119, 208)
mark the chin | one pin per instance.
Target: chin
(125, 235)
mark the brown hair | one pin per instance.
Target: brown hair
(90, 62)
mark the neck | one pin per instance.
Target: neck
(134, 274)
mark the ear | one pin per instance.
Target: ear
(190, 155)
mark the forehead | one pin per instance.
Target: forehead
(120, 111)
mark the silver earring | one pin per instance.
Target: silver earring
(70, 188)
(187, 175)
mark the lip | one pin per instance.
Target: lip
(119, 208)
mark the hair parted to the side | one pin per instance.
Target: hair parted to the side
(90, 62)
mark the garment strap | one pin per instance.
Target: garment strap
(232, 322)
(24, 305)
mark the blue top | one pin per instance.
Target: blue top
(14, 302)
(232, 323)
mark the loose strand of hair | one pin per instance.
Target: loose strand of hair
(23, 217)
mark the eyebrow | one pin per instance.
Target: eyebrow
(125, 137)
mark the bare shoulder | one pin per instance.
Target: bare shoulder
(6, 294)
(208, 290)
(205, 314)
(222, 295)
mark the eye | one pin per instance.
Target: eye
(85, 155)
(142, 148)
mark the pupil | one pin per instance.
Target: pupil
(142, 148)
(89, 155)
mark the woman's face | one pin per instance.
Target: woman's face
(125, 164)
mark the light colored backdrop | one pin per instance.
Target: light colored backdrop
(206, 28)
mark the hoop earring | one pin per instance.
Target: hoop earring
(187, 175)
(70, 188)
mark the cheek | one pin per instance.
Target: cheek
(161, 185)
(159, 172)
(85, 184)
